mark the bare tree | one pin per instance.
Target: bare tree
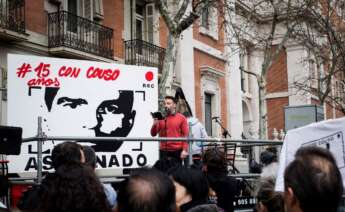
(266, 25)
(323, 34)
(178, 15)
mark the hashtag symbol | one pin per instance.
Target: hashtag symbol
(25, 68)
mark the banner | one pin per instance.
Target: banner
(326, 134)
(86, 99)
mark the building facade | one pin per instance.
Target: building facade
(133, 32)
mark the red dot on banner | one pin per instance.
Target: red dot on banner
(149, 76)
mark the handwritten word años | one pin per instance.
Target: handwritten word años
(44, 82)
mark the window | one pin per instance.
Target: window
(144, 21)
(209, 22)
(208, 113)
(205, 18)
(211, 93)
(73, 12)
(89, 9)
(83, 8)
(149, 22)
(313, 72)
(139, 19)
(98, 12)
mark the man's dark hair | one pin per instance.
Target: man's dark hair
(268, 157)
(315, 180)
(66, 153)
(147, 190)
(172, 98)
(193, 180)
(90, 156)
(215, 160)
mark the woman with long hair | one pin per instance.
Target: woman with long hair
(73, 187)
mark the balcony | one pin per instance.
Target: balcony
(73, 36)
(142, 53)
(12, 20)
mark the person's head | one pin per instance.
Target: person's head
(88, 112)
(73, 187)
(170, 104)
(67, 153)
(267, 157)
(146, 190)
(190, 185)
(90, 156)
(312, 181)
(268, 199)
(214, 161)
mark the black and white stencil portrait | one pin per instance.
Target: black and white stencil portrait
(82, 99)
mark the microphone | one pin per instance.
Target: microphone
(215, 117)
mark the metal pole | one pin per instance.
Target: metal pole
(190, 159)
(39, 150)
(190, 156)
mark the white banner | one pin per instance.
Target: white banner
(326, 134)
(82, 98)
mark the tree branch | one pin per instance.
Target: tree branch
(163, 9)
(181, 11)
(249, 72)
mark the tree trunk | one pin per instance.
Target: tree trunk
(262, 108)
(168, 65)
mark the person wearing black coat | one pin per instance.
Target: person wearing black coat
(224, 187)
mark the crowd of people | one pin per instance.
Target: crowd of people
(312, 180)
(313, 183)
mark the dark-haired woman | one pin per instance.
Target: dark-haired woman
(191, 190)
(73, 187)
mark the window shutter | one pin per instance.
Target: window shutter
(213, 18)
(149, 21)
(98, 12)
(88, 9)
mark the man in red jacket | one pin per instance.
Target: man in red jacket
(174, 125)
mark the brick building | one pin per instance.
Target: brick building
(132, 32)
(120, 31)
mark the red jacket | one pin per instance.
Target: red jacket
(176, 126)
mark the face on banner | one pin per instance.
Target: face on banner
(104, 114)
(89, 100)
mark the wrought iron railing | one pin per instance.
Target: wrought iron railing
(139, 52)
(68, 30)
(12, 15)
